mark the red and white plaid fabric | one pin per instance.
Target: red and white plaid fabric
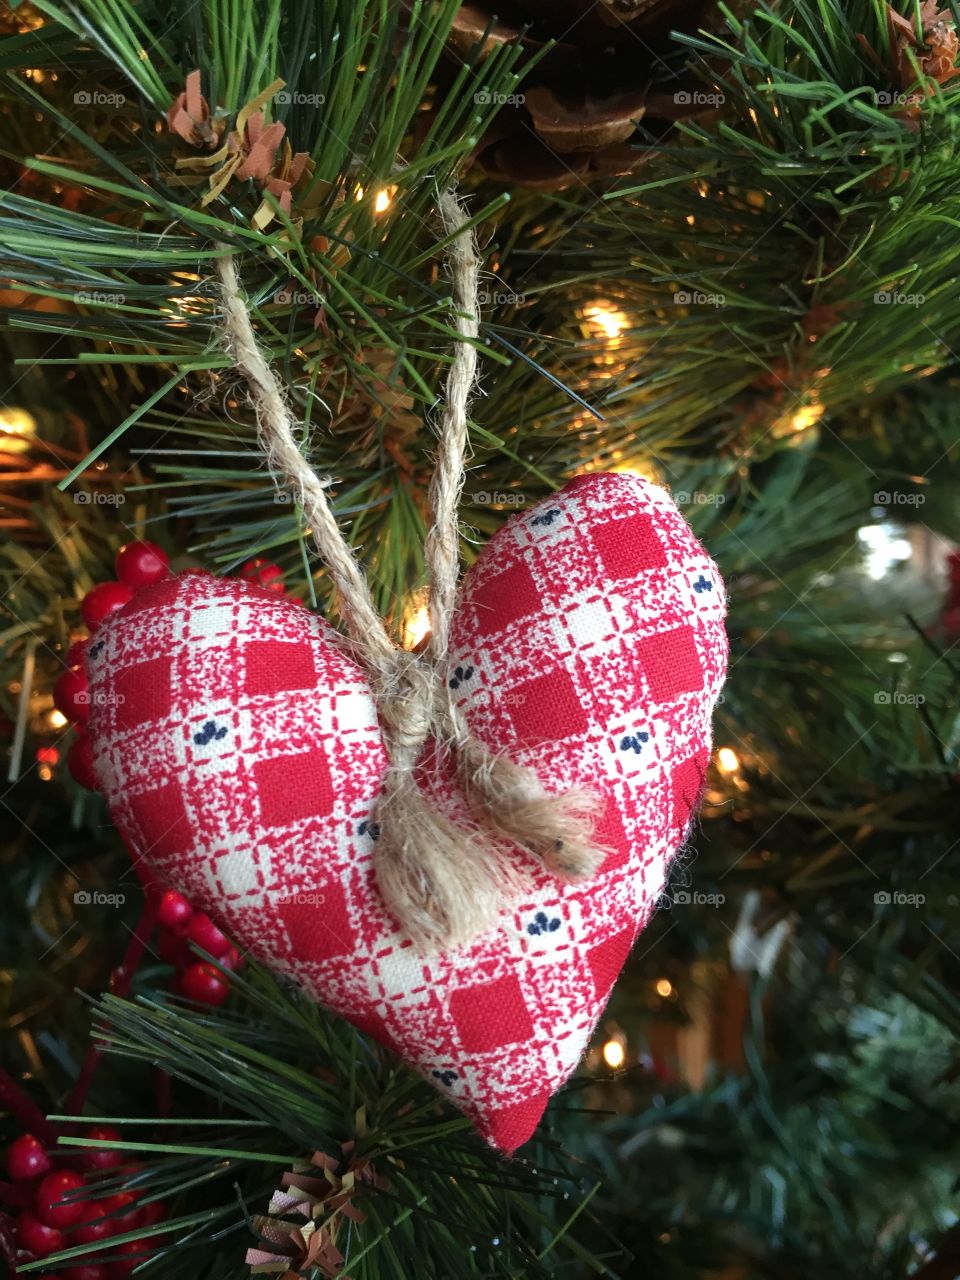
(240, 754)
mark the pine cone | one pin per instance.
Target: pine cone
(575, 115)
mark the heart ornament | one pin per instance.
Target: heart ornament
(239, 751)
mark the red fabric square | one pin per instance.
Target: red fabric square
(687, 781)
(155, 596)
(293, 787)
(504, 599)
(162, 818)
(546, 708)
(317, 922)
(273, 666)
(511, 1126)
(670, 663)
(143, 692)
(628, 546)
(606, 960)
(491, 1014)
(610, 834)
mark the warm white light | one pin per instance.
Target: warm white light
(607, 318)
(614, 1054)
(56, 719)
(382, 201)
(727, 760)
(807, 416)
(664, 987)
(416, 626)
(16, 429)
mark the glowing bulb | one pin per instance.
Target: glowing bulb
(608, 319)
(358, 194)
(56, 719)
(664, 987)
(806, 417)
(382, 201)
(727, 760)
(614, 1053)
(416, 626)
(17, 426)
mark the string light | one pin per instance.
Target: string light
(383, 198)
(664, 987)
(727, 760)
(614, 1053)
(17, 429)
(606, 318)
(802, 419)
(416, 626)
(56, 719)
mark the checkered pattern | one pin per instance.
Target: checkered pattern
(240, 754)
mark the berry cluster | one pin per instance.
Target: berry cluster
(138, 564)
(55, 1213)
(180, 925)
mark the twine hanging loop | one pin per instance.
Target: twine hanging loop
(444, 879)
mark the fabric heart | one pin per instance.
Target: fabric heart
(241, 757)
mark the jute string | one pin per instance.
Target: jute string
(445, 881)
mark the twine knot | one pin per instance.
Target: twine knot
(445, 876)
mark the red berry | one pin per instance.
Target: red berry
(105, 1158)
(264, 573)
(85, 1271)
(134, 1252)
(203, 984)
(26, 1158)
(173, 948)
(152, 1213)
(104, 600)
(76, 653)
(71, 695)
(93, 1224)
(80, 762)
(204, 933)
(231, 959)
(37, 1238)
(140, 563)
(50, 1194)
(174, 910)
(125, 1213)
